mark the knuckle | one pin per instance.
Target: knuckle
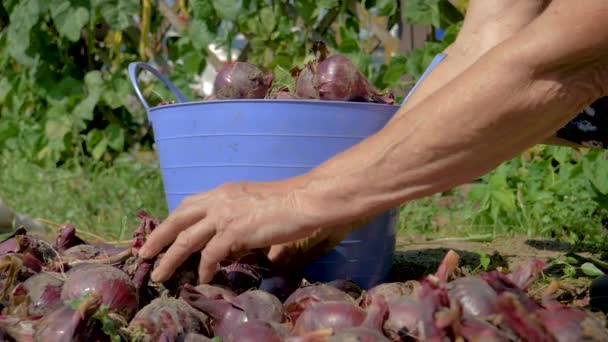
(183, 241)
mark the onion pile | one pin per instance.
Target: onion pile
(325, 77)
(73, 290)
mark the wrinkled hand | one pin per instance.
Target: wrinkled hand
(298, 253)
(229, 219)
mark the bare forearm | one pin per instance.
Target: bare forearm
(498, 107)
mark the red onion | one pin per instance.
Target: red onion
(306, 82)
(229, 313)
(571, 323)
(257, 330)
(329, 315)
(150, 319)
(338, 315)
(66, 238)
(70, 324)
(416, 315)
(520, 319)
(524, 275)
(501, 284)
(43, 291)
(475, 296)
(390, 291)
(17, 328)
(82, 252)
(116, 287)
(474, 329)
(308, 295)
(241, 80)
(340, 80)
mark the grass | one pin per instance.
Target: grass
(104, 200)
(98, 199)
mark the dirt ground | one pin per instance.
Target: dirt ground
(415, 257)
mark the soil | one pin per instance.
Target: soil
(415, 257)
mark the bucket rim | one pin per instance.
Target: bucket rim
(313, 102)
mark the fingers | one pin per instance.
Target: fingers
(217, 249)
(187, 242)
(180, 220)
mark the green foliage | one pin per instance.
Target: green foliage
(556, 192)
(65, 93)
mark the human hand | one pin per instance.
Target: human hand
(229, 219)
(296, 254)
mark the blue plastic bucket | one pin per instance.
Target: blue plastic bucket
(201, 145)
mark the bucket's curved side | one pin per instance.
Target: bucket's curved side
(203, 146)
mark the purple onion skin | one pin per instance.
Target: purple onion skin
(521, 320)
(475, 296)
(501, 284)
(571, 323)
(474, 329)
(229, 313)
(390, 292)
(188, 320)
(69, 324)
(305, 296)
(44, 292)
(67, 238)
(361, 334)
(257, 330)
(261, 305)
(114, 284)
(241, 80)
(329, 315)
(306, 82)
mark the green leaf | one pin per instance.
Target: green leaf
(422, 12)
(116, 91)
(115, 137)
(94, 82)
(69, 18)
(57, 127)
(395, 70)
(386, 8)
(96, 143)
(5, 88)
(591, 270)
(307, 10)
(199, 34)
(23, 17)
(100, 149)
(267, 20)
(227, 9)
(597, 172)
(118, 13)
(202, 9)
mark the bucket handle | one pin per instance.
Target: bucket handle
(134, 66)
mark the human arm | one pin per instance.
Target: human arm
(514, 96)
